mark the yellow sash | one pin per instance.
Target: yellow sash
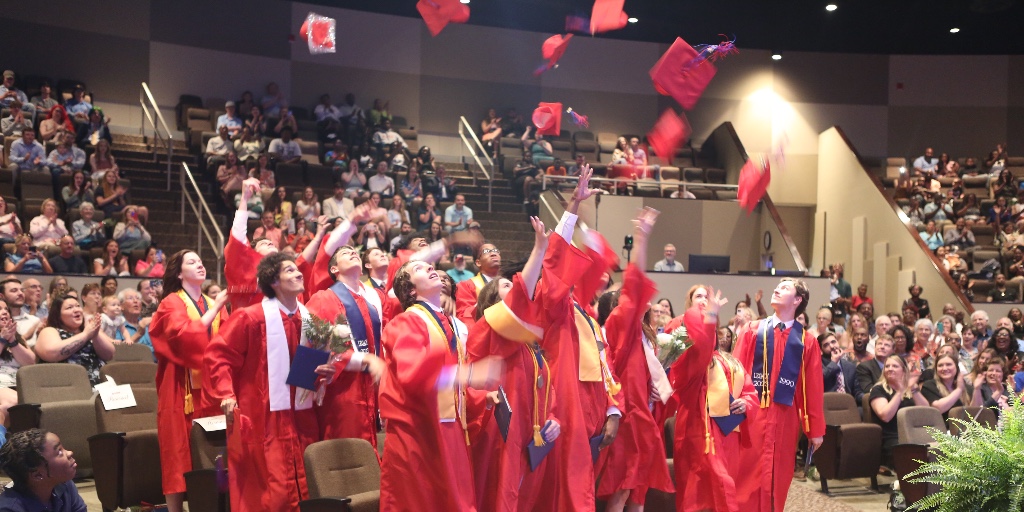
(194, 378)
(719, 385)
(478, 281)
(450, 405)
(593, 367)
(510, 326)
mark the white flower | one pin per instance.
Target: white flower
(664, 339)
(342, 331)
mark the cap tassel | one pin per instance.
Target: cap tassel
(537, 439)
(189, 408)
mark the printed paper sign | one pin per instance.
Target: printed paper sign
(117, 397)
(213, 423)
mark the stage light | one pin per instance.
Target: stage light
(831, 7)
(631, 20)
(464, 1)
(954, 30)
(776, 56)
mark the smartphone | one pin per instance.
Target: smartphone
(160, 255)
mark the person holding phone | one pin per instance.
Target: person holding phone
(27, 259)
(152, 265)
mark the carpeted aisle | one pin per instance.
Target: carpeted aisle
(803, 499)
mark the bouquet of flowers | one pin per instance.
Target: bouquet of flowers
(672, 345)
(323, 335)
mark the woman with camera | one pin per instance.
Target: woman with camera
(26, 259)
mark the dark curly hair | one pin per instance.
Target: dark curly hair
(403, 287)
(268, 270)
(22, 454)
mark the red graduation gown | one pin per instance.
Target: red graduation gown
(240, 261)
(179, 343)
(426, 465)
(770, 459)
(350, 403)
(465, 300)
(706, 479)
(502, 468)
(636, 460)
(268, 472)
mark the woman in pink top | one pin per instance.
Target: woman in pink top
(48, 228)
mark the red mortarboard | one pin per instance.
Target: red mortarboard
(318, 31)
(439, 13)
(753, 184)
(554, 47)
(679, 74)
(547, 117)
(610, 256)
(668, 133)
(607, 15)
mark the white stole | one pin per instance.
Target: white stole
(658, 377)
(279, 360)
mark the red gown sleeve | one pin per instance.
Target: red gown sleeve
(585, 289)
(637, 291)
(564, 266)
(320, 275)
(465, 301)
(814, 389)
(177, 338)
(225, 355)
(693, 364)
(407, 345)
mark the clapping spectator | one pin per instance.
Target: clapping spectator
(931, 236)
(269, 230)
(27, 154)
(27, 258)
(385, 136)
(1004, 186)
(538, 149)
(989, 386)
(282, 208)
(308, 207)
(78, 108)
(926, 165)
(47, 228)
(273, 101)
(16, 122)
(217, 148)
(1005, 345)
(102, 161)
(301, 237)
(381, 182)
(938, 209)
(287, 120)
(260, 171)
(95, 129)
(379, 113)
(412, 187)
(230, 119)
(230, 175)
(256, 122)
(284, 149)
(490, 130)
(130, 233)
(897, 388)
(112, 262)
(72, 337)
(247, 146)
(428, 212)
(78, 191)
(424, 159)
(246, 104)
(354, 180)
(439, 184)
(337, 206)
(44, 101)
(948, 167)
(66, 262)
(152, 265)
(1000, 213)
(371, 236)
(949, 388)
(10, 224)
(512, 125)
(10, 94)
(14, 354)
(56, 124)
(398, 213)
(328, 119)
(66, 158)
(996, 161)
(110, 196)
(87, 232)
(915, 214)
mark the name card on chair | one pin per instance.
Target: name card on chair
(117, 396)
(213, 423)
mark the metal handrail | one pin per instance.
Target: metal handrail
(645, 182)
(199, 208)
(167, 138)
(475, 150)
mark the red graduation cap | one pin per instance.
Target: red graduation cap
(668, 133)
(753, 184)
(607, 16)
(554, 47)
(318, 31)
(680, 74)
(547, 117)
(439, 13)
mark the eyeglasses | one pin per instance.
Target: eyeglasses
(489, 251)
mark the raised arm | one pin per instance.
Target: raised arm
(531, 271)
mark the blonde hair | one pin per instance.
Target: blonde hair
(943, 390)
(906, 377)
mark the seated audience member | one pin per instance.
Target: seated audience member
(915, 214)
(87, 232)
(458, 216)
(538, 149)
(926, 165)
(75, 338)
(490, 131)
(960, 235)
(27, 258)
(111, 320)
(47, 228)
(428, 212)
(337, 206)
(970, 210)
(682, 193)
(301, 237)
(152, 265)
(9, 94)
(135, 323)
(247, 146)
(352, 118)
(108, 287)
(287, 120)
(112, 262)
(102, 161)
(385, 136)
(256, 122)
(458, 273)
(931, 236)
(267, 177)
(254, 207)
(424, 160)
(10, 224)
(370, 236)
(110, 195)
(949, 388)
(42, 471)
(996, 161)
(78, 191)
(990, 385)
(14, 354)
(66, 261)
(669, 263)
(398, 214)
(839, 373)
(78, 107)
(284, 149)
(354, 180)
(269, 230)
(438, 183)
(897, 388)
(66, 158)
(328, 122)
(230, 175)
(44, 101)
(230, 120)
(27, 154)
(1001, 292)
(1000, 213)
(920, 303)
(308, 207)
(1005, 185)
(273, 100)
(217, 148)
(379, 112)
(403, 231)
(381, 182)
(129, 233)
(282, 208)
(92, 132)
(412, 186)
(512, 124)
(14, 124)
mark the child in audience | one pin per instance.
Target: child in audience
(111, 320)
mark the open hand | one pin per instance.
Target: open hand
(583, 190)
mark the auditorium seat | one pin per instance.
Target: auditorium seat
(127, 453)
(982, 415)
(201, 489)
(58, 398)
(140, 374)
(851, 448)
(342, 472)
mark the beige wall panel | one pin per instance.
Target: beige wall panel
(978, 129)
(949, 80)
(364, 40)
(121, 18)
(486, 54)
(176, 70)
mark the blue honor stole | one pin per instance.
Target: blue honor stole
(360, 336)
(764, 359)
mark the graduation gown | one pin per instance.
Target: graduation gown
(771, 457)
(349, 408)
(582, 406)
(705, 475)
(636, 460)
(426, 465)
(502, 467)
(179, 343)
(465, 298)
(240, 261)
(266, 471)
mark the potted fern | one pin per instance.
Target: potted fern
(981, 470)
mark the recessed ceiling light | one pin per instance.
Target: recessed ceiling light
(631, 20)
(954, 30)
(831, 7)
(464, 1)
(776, 56)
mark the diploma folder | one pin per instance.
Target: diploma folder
(730, 422)
(503, 413)
(595, 446)
(303, 371)
(537, 453)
